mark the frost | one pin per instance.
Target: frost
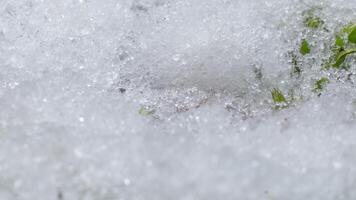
(163, 99)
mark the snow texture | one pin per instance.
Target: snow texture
(170, 100)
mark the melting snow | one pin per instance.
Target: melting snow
(163, 99)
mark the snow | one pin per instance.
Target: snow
(163, 99)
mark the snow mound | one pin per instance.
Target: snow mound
(163, 99)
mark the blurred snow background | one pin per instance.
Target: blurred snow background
(168, 99)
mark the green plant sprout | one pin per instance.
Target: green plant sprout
(348, 28)
(279, 99)
(313, 22)
(352, 35)
(339, 41)
(304, 47)
(341, 57)
(344, 46)
(345, 41)
(278, 96)
(320, 84)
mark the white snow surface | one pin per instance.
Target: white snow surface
(159, 100)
